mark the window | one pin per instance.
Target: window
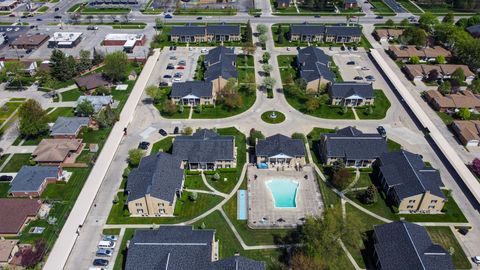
(409, 206)
(433, 201)
(160, 204)
(139, 211)
(138, 204)
(411, 201)
(431, 207)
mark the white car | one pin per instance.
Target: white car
(177, 79)
(365, 68)
(476, 259)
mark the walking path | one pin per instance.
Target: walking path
(355, 113)
(190, 113)
(205, 192)
(20, 149)
(216, 192)
(354, 182)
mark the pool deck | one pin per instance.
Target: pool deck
(262, 212)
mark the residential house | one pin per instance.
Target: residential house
(352, 146)
(92, 81)
(98, 102)
(445, 71)
(31, 181)
(65, 39)
(387, 34)
(29, 67)
(351, 94)
(112, 2)
(350, 4)
(205, 150)
(453, 102)
(220, 65)
(19, 213)
(181, 247)
(409, 184)
(68, 127)
(426, 54)
(8, 248)
(31, 42)
(467, 131)
(283, 3)
(8, 5)
(321, 33)
(208, 33)
(57, 151)
(192, 93)
(314, 66)
(474, 30)
(155, 185)
(280, 150)
(403, 245)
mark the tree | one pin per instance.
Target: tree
(301, 83)
(116, 66)
(337, 165)
(62, 68)
(369, 196)
(169, 107)
(440, 59)
(155, 93)
(312, 104)
(97, 57)
(432, 75)
(300, 261)
(267, 68)
(90, 18)
(341, 178)
(475, 166)
(415, 60)
(427, 21)
(193, 196)
(449, 18)
(202, 226)
(216, 176)
(106, 117)
(390, 23)
(103, 90)
(299, 136)
(135, 156)
(159, 23)
(263, 39)
(85, 108)
(262, 29)
(15, 74)
(414, 36)
(230, 86)
(32, 256)
(248, 49)
(464, 113)
(265, 57)
(445, 88)
(249, 33)
(458, 75)
(84, 62)
(187, 131)
(254, 136)
(268, 82)
(405, 23)
(475, 86)
(32, 119)
(280, 34)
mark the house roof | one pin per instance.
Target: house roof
(352, 144)
(223, 29)
(188, 30)
(6, 248)
(159, 175)
(91, 81)
(468, 129)
(97, 101)
(55, 150)
(68, 125)
(313, 63)
(17, 211)
(354, 31)
(404, 245)
(474, 30)
(395, 33)
(30, 178)
(406, 173)
(204, 146)
(463, 99)
(347, 89)
(195, 30)
(444, 69)
(409, 51)
(195, 88)
(30, 40)
(309, 29)
(220, 62)
(279, 144)
(283, 2)
(178, 248)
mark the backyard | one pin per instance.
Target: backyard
(445, 237)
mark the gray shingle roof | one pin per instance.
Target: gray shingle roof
(279, 144)
(223, 29)
(347, 89)
(180, 248)
(30, 178)
(159, 175)
(474, 29)
(403, 245)
(220, 61)
(97, 101)
(188, 30)
(192, 30)
(68, 125)
(352, 144)
(195, 88)
(313, 64)
(307, 29)
(204, 146)
(352, 31)
(406, 173)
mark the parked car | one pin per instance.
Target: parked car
(28, 51)
(358, 78)
(100, 262)
(370, 78)
(381, 130)
(170, 66)
(182, 63)
(11, 15)
(56, 9)
(143, 145)
(316, 16)
(351, 63)
(199, 18)
(39, 19)
(57, 17)
(106, 244)
(6, 178)
(116, 21)
(257, 15)
(342, 48)
(180, 67)
(476, 259)
(175, 130)
(102, 252)
(178, 75)
(176, 79)
(163, 84)
(167, 76)
(110, 238)
(379, 17)
(173, 57)
(365, 68)
(92, 27)
(162, 132)
(204, 50)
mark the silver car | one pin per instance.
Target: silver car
(103, 252)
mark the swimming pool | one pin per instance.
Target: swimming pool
(242, 204)
(284, 192)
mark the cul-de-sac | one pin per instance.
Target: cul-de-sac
(239, 134)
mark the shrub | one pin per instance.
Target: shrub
(193, 196)
(216, 177)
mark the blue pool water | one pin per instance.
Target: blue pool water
(284, 192)
(242, 204)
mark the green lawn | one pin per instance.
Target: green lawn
(4, 187)
(60, 111)
(445, 237)
(380, 107)
(381, 8)
(99, 136)
(446, 118)
(393, 145)
(204, 11)
(16, 162)
(86, 157)
(280, 117)
(8, 108)
(71, 95)
(122, 253)
(104, 10)
(364, 180)
(185, 210)
(164, 144)
(195, 182)
(42, 9)
(245, 60)
(222, 185)
(409, 6)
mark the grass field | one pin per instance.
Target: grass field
(71, 95)
(16, 162)
(445, 237)
(379, 108)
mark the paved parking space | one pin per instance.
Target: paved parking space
(90, 40)
(189, 55)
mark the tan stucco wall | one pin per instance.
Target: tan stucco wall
(422, 203)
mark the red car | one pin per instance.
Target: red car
(180, 67)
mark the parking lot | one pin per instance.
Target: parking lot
(91, 39)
